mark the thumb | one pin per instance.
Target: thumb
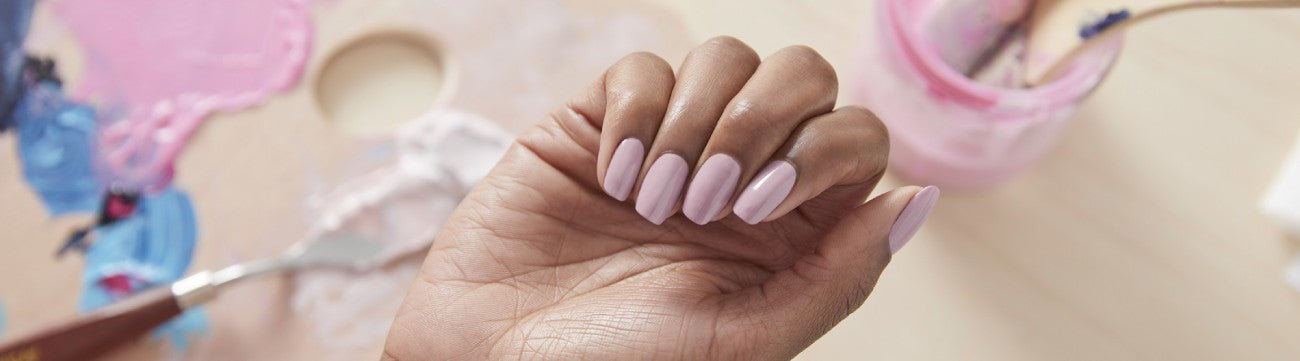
(822, 288)
(855, 252)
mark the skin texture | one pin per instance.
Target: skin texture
(539, 262)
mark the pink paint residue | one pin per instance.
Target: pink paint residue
(119, 208)
(161, 66)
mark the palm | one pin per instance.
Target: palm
(538, 260)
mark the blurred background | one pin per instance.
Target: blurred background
(1138, 235)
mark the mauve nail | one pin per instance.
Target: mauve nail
(624, 166)
(909, 221)
(765, 192)
(711, 188)
(661, 187)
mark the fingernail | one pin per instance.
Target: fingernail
(910, 220)
(711, 188)
(662, 185)
(623, 168)
(765, 192)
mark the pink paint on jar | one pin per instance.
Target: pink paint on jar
(161, 66)
(949, 130)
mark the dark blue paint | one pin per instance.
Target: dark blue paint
(15, 17)
(1114, 17)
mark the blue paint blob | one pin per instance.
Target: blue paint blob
(1114, 17)
(15, 16)
(2, 318)
(55, 140)
(149, 249)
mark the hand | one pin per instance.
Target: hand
(548, 258)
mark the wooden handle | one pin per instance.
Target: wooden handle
(97, 332)
(1054, 32)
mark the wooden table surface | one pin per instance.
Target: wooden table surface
(1138, 238)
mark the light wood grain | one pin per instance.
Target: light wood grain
(1138, 238)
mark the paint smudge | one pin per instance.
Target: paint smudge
(438, 158)
(165, 65)
(15, 16)
(55, 137)
(1096, 27)
(156, 69)
(152, 248)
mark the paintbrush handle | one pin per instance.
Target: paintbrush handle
(97, 332)
(102, 330)
(1056, 40)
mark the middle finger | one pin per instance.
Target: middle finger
(791, 86)
(709, 77)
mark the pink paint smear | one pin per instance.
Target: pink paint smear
(162, 66)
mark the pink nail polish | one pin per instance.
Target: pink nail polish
(624, 166)
(711, 188)
(910, 220)
(661, 188)
(765, 192)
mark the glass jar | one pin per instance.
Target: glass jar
(949, 130)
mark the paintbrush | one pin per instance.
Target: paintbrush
(102, 330)
(1059, 31)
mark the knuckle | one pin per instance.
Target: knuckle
(874, 140)
(727, 48)
(811, 64)
(865, 119)
(645, 61)
(877, 135)
(725, 41)
(854, 136)
(801, 52)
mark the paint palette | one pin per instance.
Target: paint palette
(285, 127)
